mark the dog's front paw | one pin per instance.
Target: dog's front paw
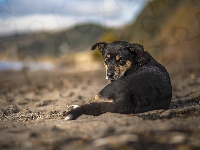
(73, 113)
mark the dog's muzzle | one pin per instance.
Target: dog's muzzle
(110, 76)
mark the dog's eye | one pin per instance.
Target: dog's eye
(108, 56)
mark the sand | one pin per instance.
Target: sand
(33, 105)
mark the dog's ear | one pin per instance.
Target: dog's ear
(101, 46)
(137, 48)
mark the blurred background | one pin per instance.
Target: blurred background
(52, 35)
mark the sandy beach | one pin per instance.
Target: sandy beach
(33, 105)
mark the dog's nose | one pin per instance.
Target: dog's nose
(110, 74)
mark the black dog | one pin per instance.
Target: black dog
(138, 82)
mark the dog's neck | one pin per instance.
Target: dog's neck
(142, 60)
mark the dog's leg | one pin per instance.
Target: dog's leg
(96, 108)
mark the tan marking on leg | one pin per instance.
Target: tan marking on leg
(93, 100)
(109, 100)
(105, 100)
(96, 98)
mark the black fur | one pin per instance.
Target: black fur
(139, 82)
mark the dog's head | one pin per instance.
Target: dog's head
(119, 57)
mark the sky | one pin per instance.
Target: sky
(40, 15)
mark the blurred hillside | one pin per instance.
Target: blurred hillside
(50, 45)
(170, 30)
